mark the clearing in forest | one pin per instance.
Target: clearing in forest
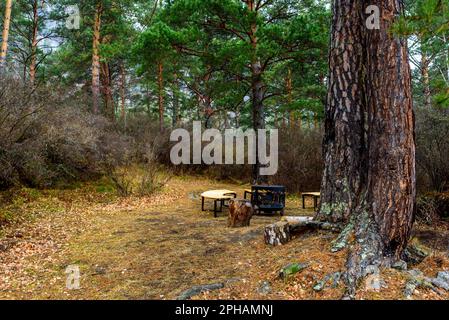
(158, 247)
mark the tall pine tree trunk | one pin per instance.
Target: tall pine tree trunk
(425, 79)
(289, 86)
(106, 84)
(5, 34)
(123, 93)
(96, 59)
(257, 89)
(175, 93)
(160, 80)
(344, 143)
(391, 171)
(33, 63)
(370, 128)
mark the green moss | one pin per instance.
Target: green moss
(105, 189)
(6, 216)
(333, 208)
(341, 242)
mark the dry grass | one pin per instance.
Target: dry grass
(156, 247)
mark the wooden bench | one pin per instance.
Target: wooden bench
(219, 196)
(314, 195)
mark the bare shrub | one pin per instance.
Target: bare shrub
(432, 145)
(46, 137)
(300, 161)
(121, 180)
(432, 206)
(426, 209)
(152, 178)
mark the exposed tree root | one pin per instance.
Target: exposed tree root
(342, 240)
(365, 254)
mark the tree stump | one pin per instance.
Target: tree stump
(240, 213)
(277, 234)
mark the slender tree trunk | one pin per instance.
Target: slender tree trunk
(425, 79)
(160, 79)
(96, 59)
(175, 117)
(123, 93)
(258, 92)
(276, 119)
(370, 129)
(5, 34)
(175, 93)
(206, 98)
(33, 63)
(105, 77)
(289, 87)
(258, 114)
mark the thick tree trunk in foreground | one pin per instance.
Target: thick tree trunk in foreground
(369, 179)
(344, 143)
(96, 60)
(391, 158)
(5, 34)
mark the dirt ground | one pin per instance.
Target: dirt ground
(159, 246)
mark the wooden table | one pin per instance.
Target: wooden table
(219, 196)
(314, 195)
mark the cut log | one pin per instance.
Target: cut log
(293, 220)
(277, 234)
(281, 232)
(240, 213)
(299, 223)
(313, 224)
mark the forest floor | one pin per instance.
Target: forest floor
(159, 246)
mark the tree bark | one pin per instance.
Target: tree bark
(258, 91)
(96, 59)
(34, 43)
(5, 34)
(277, 234)
(105, 76)
(425, 79)
(391, 165)
(289, 87)
(175, 93)
(370, 130)
(240, 213)
(160, 80)
(344, 143)
(123, 93)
